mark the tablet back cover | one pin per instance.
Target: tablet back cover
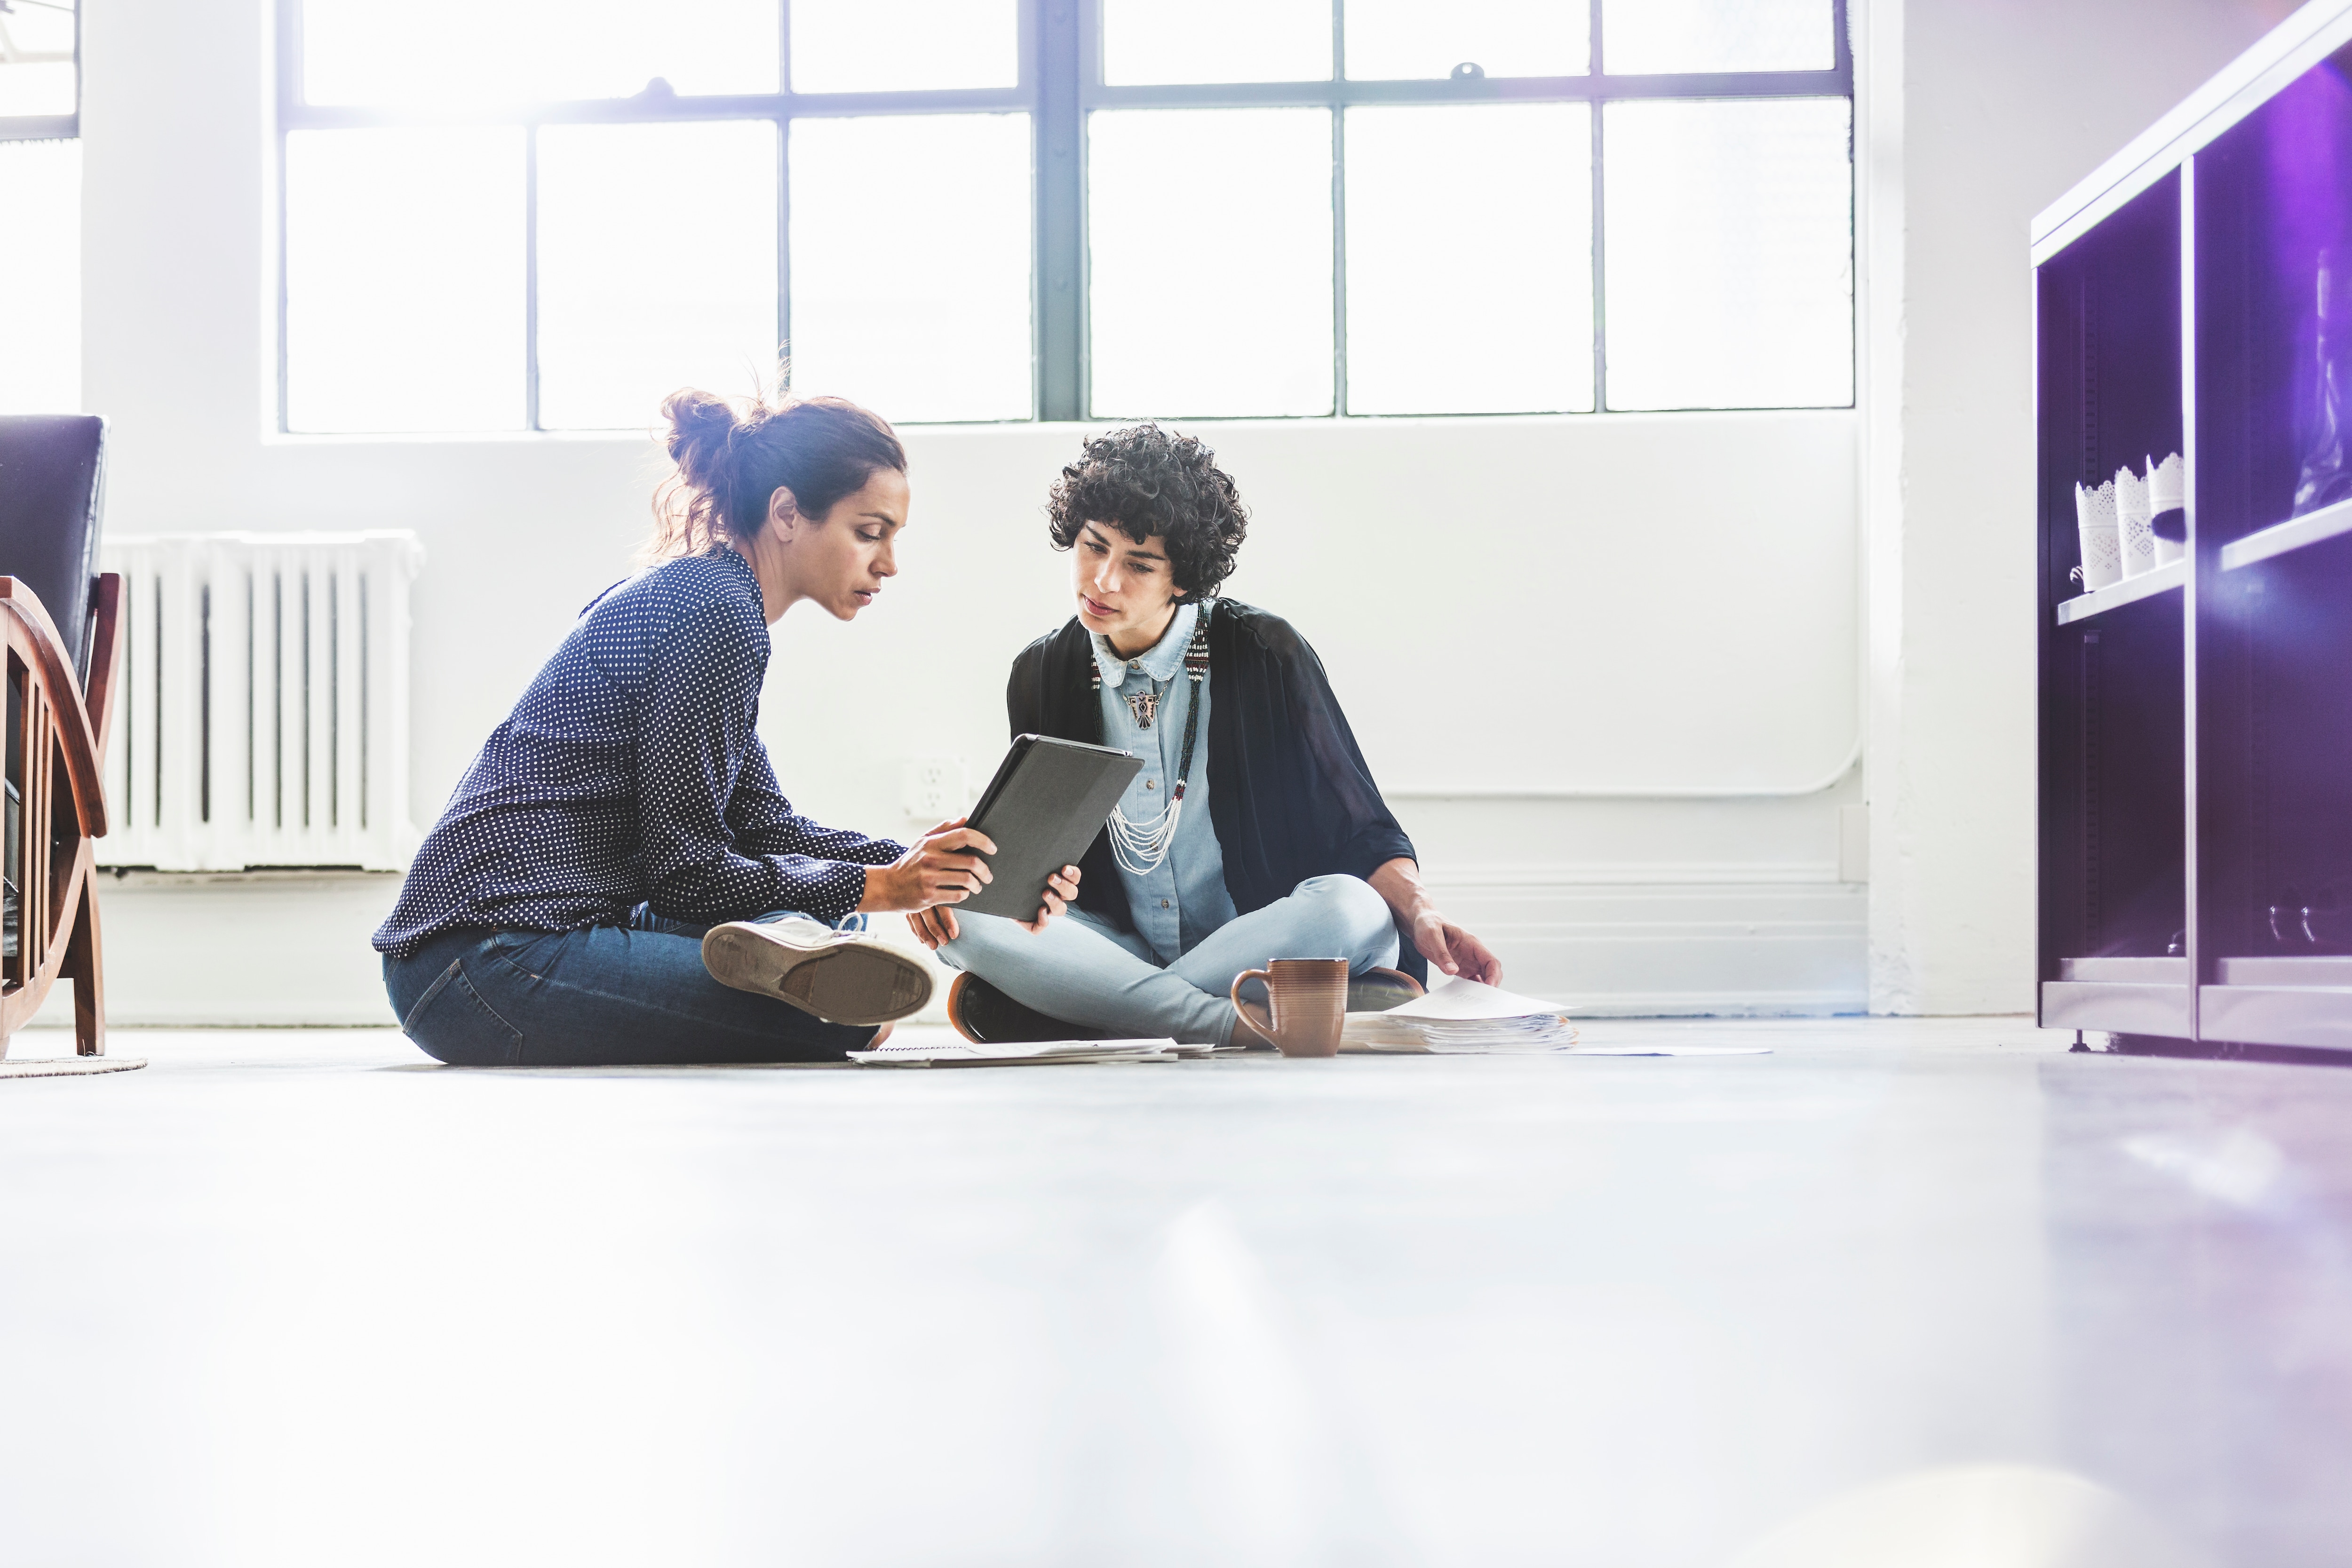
(1041, 816)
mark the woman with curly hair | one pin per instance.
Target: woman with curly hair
(1254, 829)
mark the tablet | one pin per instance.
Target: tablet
(1048, 800)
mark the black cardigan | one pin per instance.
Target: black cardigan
(1288, 790)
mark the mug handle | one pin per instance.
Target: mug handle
(1260, 1019)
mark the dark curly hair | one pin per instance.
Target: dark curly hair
(1144, 480)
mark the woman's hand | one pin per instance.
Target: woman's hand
(1449, 949)
(943, 867)
(1061, 892)
(1454, 951)
(934, 926)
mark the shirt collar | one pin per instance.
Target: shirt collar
(1166, 656)
(726, 554)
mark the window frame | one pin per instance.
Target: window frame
(1060, 84)
(50, 127)
(53, 128)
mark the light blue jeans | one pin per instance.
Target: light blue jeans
(1083, 971)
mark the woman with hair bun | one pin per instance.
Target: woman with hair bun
(618, 878)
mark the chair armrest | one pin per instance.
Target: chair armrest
(30, 628)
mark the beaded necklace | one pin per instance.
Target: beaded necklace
(1140, 847)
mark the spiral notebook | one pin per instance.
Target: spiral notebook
(932, 1053)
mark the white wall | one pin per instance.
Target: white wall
(2002, 104)
(1629, 604)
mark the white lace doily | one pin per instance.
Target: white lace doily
(2167, 490)
(2132, 515)
(2094, 525)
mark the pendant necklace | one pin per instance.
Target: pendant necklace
(1140, 847)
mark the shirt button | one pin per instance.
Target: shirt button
(1152, 784)
(1163, 903)
(1132, 665)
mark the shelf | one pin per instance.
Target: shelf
(2120, 1008)
(2126, 970)
(2291, 1001)
(2312, 1017)
(2316, 969)
(2293, 534)
(2192, 752)
(2246, 83)
(2163, 579)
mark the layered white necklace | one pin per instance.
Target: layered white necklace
(1140, 847)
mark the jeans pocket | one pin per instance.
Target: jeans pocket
(452, 1023)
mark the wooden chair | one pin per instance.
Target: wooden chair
(63, 625)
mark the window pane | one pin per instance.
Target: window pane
(36, 59)
(1470, 259)
(40, 277)
(900, 45)
(931, 319)
(1729, 232)
(1388, 39)
(405, 279)
(472, 53)
(1236, 321)
(1147, 41)
(656, 267)
(1639, 37)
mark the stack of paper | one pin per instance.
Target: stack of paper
(1461, 1017)
(936, 1053)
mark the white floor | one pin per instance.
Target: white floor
(1895, 1294)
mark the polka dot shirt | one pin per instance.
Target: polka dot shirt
(630, 772)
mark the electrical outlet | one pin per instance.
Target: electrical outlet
(933, 789)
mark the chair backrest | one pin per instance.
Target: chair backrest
(52, 491)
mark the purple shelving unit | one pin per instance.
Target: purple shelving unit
(2196, 721)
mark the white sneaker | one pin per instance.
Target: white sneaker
(841, 976)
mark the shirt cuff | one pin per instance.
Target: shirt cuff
(830, 890)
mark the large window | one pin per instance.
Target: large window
(40, 209)
(543, 215)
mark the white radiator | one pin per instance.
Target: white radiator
(261, 717)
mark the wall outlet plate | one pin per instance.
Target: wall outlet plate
(934, 789)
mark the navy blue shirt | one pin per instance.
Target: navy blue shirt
(630, 772)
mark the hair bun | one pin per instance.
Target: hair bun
(734, 454)
(699, 426)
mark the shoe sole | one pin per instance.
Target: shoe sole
(959, 1000)
(860, 983)
(955, 1010)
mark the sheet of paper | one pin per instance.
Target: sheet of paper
(1667, 1051)
(1461, 998)
(963, 1053)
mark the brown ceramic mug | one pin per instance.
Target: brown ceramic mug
(1310, 997)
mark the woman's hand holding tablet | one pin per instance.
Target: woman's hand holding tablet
(945, 868)
(938, 924)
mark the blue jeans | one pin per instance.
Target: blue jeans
(605, 997)
(1083, 971)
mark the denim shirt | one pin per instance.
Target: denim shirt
(1176, 904)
